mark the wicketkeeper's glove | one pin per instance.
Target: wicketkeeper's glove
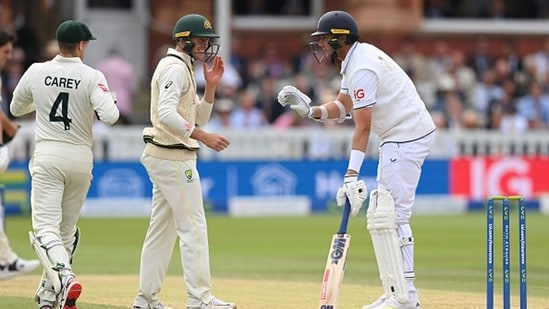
(298, 101)
(353, 189)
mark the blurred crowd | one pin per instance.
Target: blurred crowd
(463, 91)
(505, 92)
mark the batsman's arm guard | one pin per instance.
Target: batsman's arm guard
(381, 223)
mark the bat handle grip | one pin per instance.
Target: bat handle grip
(345, 218)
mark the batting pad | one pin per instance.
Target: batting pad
(383, 231)
(42, 252)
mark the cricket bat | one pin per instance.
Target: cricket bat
(335, 264)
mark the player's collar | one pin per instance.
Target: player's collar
(347, 57)
(181, 55)
(67, 59)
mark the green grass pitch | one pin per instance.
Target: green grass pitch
(450, 258)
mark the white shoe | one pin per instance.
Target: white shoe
(18, 267)
(376, 303)
(393, 303)
(215, 304)
(158, 306)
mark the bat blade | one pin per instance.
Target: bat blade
(335, 264)
(334, 271)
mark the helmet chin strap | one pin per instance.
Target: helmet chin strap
(186, 45)
(333, 56)
(334, 43)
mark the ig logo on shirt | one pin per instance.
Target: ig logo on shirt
(359, 94)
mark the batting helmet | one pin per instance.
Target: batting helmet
(335, 23)
(195, 25)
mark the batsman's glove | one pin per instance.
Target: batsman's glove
(353, 189)
(298, 101)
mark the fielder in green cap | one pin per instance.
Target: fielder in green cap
(176, 133)
(65, 95)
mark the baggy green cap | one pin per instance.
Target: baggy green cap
(72, 31)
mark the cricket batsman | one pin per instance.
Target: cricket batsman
(385, 102)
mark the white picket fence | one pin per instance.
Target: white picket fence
(124, 143)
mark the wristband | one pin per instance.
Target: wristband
(355, 160)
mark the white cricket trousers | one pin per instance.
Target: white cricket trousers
(399, 171)
(177, 211)
(61, 176)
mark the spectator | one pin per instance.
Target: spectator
(463, 74)
(219, 122)
(288, 119)
(12, 72)
(511, 120)
(514, 61)
(247, 115)
(486, 91)
(453, 110)
(470, 120)
(303, 62)
(411, 61)
(321, 145)
(528, 76)
(324, 78)
(503, 107)
(480, 59)
(534, 106)
(221, 118)
(439, 119)
(540, 60)
(122, 81)
(439, 62)
(446, 86)
(50, 50)
(266, 99)
(302, 82)
(239, 61)
(502, 70)
(269, 63)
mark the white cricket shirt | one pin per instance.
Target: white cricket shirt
(65, 93)
(398, 113)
